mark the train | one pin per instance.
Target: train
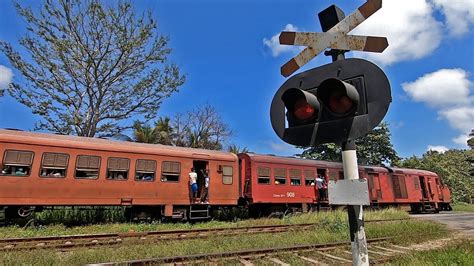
(42, 170)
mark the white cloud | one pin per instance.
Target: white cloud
(441, 88)
(411, 30)
(274, 43)
(461, 118)
(459, 15)
(461, 140)
(450, 91)
(6, 76)
(440, 149)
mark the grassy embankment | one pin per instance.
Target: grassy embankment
(460, 252)
(331, 226)
(463, 207)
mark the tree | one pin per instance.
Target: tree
(164, 131)
(144, 133)
(375, 148)
(92, 67)
(200, 128)
(452, 166)
(236, 149)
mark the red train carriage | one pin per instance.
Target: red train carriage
(279, 184)
(54, 170)
(418, 189)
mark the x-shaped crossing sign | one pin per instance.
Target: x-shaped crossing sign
(335, 38)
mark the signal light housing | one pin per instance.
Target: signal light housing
(302, 107)
(337, 102)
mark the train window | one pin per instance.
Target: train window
(280, 176)
(145, 170)
(17, 163)
(263, 175)
(227, 175)
(333, 175)
(87, 167)
(117, 168)
(170, 171)
(295, 177)
(309, 177)
(54, 164)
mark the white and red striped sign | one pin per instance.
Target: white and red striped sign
(335, 38)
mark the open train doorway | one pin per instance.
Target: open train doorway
(424, 192)
(200, 167)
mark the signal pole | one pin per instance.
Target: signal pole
(360, 256)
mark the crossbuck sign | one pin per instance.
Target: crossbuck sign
(335, 38)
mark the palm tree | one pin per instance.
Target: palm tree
(164, 131)
(144, 133)
(236, 149)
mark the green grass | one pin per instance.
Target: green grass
(457, 253)
(331, 227)
(463, 207)
(335, 219)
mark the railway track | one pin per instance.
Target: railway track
(109, 239)
(317, 254)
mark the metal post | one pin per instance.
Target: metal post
(360, 254)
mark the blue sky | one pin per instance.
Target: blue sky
(231, 57)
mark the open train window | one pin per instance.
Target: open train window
(54, 165)
(145, 170)
(280, 176)
(117, 168)
(295, 177)
(227, 175)
(17, 163)
(263, 175)
(87, 167)
(309, 177)
(170, 171)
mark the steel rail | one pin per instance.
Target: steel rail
(235, 254)
(71, 241)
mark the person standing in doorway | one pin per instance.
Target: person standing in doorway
(193, 184)
(205, 191)
(320, 186)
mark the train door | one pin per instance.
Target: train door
(424, 192)
(439, 189)
(374, 186)
(200, 167)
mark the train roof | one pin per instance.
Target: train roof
(268, 158)
(26, 137)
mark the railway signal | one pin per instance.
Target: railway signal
(338, 102)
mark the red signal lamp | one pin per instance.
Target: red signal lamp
(302, 107)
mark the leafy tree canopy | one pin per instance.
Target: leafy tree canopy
(91, 66)
(201, 127)
(454, 167)
(375, 148)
